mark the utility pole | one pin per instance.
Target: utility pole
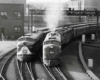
(31, 20)
(98, 23)
(28, 18)
(79, 5)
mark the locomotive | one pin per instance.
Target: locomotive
(54, 41)
(28, 45)
(52, 45)
(51, 48)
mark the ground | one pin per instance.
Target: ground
(6, 46)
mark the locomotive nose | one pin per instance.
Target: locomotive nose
(24, 43)
(24, 50)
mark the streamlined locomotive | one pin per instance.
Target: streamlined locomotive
(51, 49)
(28, 45)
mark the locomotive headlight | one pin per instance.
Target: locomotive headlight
(24, 51)
(51, 52)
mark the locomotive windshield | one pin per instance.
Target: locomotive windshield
(21, 39)
(52, 42)
(25, 39)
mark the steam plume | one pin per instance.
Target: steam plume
(53, 15)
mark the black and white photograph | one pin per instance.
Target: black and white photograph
(49, 39)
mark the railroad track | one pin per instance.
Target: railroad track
(25, 70)
(4, 61)
(88, 71)
(55, 72)
(71, 64)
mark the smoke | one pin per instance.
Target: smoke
(53, 15)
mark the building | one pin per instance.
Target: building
(12, 18)
(87, 5)
(91, 4)
(76, 4)
(38, 20)
(13, 1)
(84, 4)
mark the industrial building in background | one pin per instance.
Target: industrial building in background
(38, 20)
(92, 4)
(84, 4)
(12, 18)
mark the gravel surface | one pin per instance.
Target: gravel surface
(11, 73)
(39, 71)
(6, 46)
(94, 54)
(71, 65)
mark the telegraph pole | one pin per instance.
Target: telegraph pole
(98, 24)
(31, 20)
(28, 18)
(79, 5)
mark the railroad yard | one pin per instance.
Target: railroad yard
(70, 63)
(50, 40)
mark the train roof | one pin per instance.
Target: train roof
(92, 24)
(68, 24)
(34, 35)
(28, 34)
(78, 25)
(63, 30)
(53, 36)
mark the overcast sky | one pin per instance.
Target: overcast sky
(28, 1)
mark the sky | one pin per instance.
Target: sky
(29, 1)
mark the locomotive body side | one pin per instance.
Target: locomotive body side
(66, 35)
(93, 27)
(84, 28)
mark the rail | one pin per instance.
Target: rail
(88, 71)
(5, 58)
(19, 66)
(22, 65)
(29, 66)
(54, 72)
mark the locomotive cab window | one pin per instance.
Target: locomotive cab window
(52, 42)
(56, 42)
(3, 15)
(29, 39)
(17, 15)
